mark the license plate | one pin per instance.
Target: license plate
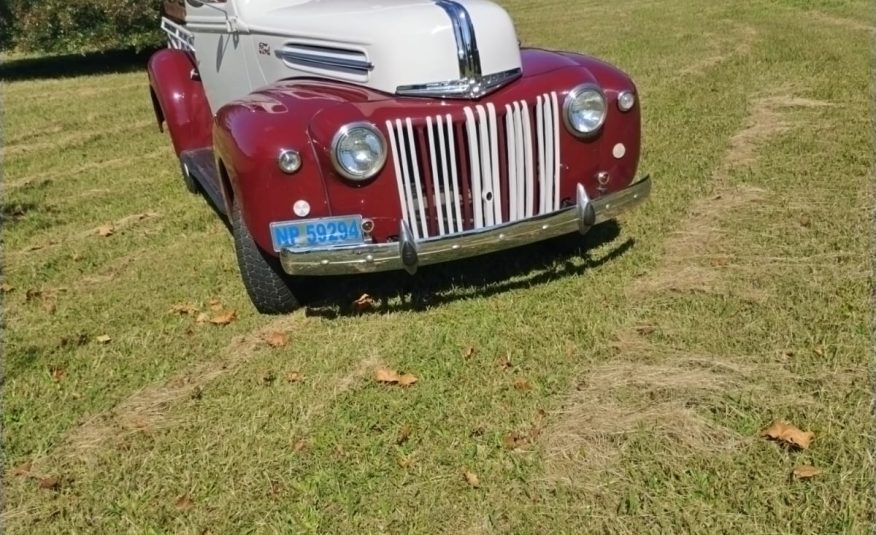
(326, 231)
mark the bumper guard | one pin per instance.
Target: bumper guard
(408, 254)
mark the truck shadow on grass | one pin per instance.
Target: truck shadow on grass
(482, 276)
(73, 65)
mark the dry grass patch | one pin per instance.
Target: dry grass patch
(726, 45)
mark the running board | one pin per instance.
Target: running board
(202, 166)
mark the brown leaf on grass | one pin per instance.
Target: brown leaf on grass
(645, 329)
(471, 478)
(522, 384)
(294, 376)
(788, 434)
(22, 469)
(469, 352)
(58, 373)
(50, 483)
(504, 362)
(405, 461)
(224, 319)
(806, 471)
(215, 305)
(5, 288)
(202, 318)
(363, 304)
(404, 434)
(268, 378)
(514, 440)
(103, 339)
(386, 375)
(184, 503)
(407, 379)
(105, 230)
(184, 309)
(276, 339)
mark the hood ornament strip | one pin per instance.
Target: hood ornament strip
(472, 83)
(466, 42)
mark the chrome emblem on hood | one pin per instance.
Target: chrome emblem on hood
(471, 83)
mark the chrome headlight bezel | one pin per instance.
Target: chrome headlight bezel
(573, 95)
(344, 132)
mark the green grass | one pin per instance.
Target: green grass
(738, 295)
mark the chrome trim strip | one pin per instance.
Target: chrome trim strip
(466, 42)
(324, 61)
(388, 256)
(467, 88)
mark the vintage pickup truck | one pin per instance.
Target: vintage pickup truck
(354, 136)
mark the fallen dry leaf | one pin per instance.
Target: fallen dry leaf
(184, 502)
(215, 305)
(504, 362)
(514, 440)
(364, 303)
(268, 378)
(184, 309)
(471, 478)
(103, 339)
(22, 469)
(224, 319)
(202, 318)
(50, 483)
(276, 339)
(407, 379)
(787, 433)
(469, 352)
(522, 384)
(405, 461)
(386, 375)
(105, 230)
(294, 376)
(58, 373)
(404, 434)
(806, 471)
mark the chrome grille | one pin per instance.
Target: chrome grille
(489, 166)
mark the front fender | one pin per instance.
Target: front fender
(248, 136)
(179, 100)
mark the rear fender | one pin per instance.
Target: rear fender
(179, 100)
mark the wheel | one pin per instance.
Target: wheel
(190, 181)
(266, 283)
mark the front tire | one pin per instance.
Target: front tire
(190, 181)
(263, 277)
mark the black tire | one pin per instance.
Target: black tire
(266, 283)
(190, 181)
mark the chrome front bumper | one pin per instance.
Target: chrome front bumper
(408, 253)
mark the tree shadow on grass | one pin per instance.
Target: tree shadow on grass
(72, 65)
(482, 276)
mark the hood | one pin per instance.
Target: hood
(446, 48)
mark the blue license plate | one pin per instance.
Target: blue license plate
(323, 232)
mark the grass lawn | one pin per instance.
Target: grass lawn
(614, 384)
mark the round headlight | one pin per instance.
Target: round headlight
(359, 151)
(584, 110)
(626, 100)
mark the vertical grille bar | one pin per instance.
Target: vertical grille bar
(511, 141)
(530, 172)
(475, 173)
(539, 132)
(548, 161)
(496, 199)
